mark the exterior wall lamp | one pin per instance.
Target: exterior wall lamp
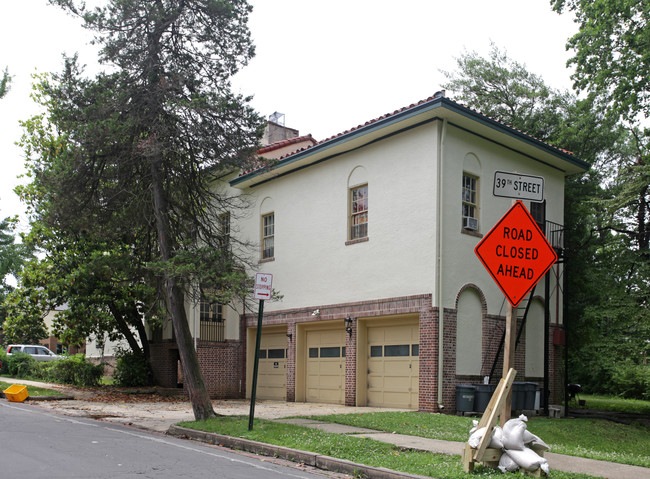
(290, 336)
(348, 325)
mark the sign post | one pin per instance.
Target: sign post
(517, 255)
(263, 288)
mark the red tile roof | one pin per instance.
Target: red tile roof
(375, 120)
(282, 143)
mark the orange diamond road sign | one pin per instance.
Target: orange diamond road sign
(516, 253)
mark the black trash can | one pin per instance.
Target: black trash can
(482, 396)
(465, 397)
(531, 389)
(518, 396)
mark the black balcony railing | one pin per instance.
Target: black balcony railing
(555, 236)
(213, 330)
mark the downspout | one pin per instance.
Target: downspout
(438, 290)
(194, 322)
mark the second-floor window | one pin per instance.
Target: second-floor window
(470, 203)
(359, 212)
(268, 236)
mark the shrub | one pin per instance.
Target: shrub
(632, 381)
(21, 365)
(75, 370)
(4, 362)
(132, 369)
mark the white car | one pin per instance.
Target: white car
(38, 352)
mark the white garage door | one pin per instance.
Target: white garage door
(326, 366)
(393, 366)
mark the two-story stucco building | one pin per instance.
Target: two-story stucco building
(370, 238)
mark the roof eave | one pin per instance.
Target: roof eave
(421, 111)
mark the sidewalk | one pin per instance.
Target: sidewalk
(160, 416)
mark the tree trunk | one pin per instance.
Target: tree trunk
(201, 404)
(139, 326)
(124, 328)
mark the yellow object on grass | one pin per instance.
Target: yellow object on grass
(16, 393)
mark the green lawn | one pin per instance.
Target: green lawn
(359, 450)
(591, 438)
(613, 403)
(33, 390)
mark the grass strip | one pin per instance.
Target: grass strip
(613, 403)
(356, 449)
(590, 438)
(33, 390)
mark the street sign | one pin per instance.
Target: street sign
(519, 187)
(516, 253)
(263, 282)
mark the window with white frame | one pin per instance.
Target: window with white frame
(359, 212)
(268, 236)
(470, 203)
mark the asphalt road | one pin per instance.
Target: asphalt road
(38, 443)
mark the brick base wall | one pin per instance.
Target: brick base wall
(164, 363)
(223, 368)
(222, 364)
(428, 381)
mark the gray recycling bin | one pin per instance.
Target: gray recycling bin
(465, 397)
(482, 396)
(531, 390)
(518, 396)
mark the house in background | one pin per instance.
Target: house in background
(370, 238)
(52, 342)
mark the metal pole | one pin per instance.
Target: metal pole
(547, 358)
(260, 314)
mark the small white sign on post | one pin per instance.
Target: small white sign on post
(263, 285)
(519, 187)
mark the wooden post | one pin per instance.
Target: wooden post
(489, 419)
(509, 358)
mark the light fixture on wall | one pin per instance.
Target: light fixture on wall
(348, 325)
(289, 335)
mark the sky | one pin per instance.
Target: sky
(328, 66)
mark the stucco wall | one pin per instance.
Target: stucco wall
(312, 263)
(464, 151)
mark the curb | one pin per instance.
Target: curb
(313, 459)
(44, 398)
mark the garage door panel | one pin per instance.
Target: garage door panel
(272, 372)
(325, 380)
(393, 366)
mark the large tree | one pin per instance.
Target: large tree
(611, 52)
(612, 63)
(135, 152)
(13, 257)
(102, 285)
